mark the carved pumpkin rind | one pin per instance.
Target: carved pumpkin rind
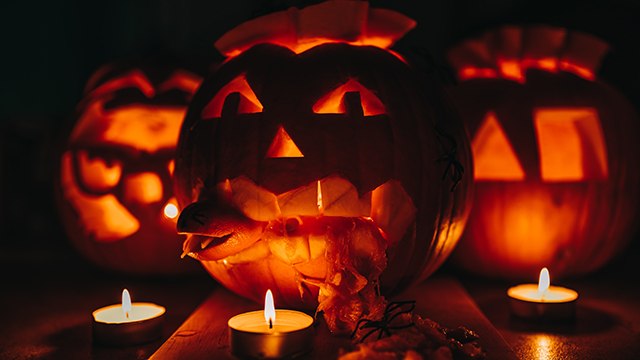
(571, 227)
(114, 177)
(406, 145)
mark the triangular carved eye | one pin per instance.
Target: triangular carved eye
(283, 146)
(333, 102)
(249, 102)
(493, 155)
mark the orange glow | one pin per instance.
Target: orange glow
(510, 69)
(549, 64)
(141, 127)
(514, 70)
(143, 188)
(171, 166)
(578, 70)
(283, 146)
(126, 303)
(95, 174)
(182, 80)
(540, 47)
(493, 155)
(379, 42)
(320, 204)
(299, 48)
(171, 209)
(269, 308)
(333, 102)
(528, 225)
(471, 73)
(571, 143)
(249, 102)
(544, 281)
(102, 216)
(135, 78)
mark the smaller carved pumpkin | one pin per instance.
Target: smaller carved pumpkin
(555, 154)
(114, 192)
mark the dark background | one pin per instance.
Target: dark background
(50, 48)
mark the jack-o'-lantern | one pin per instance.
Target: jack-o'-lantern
(319, 164)
(555, 154)
(115, 192)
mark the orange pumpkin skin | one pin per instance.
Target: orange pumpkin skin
(114, 176)
(571, 226)
(400, 150)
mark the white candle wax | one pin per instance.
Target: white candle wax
(555, 294)
(286, 321)
(139, 311)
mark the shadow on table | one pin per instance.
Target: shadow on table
(588, 320)
(75, 343)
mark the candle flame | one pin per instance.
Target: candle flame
(269, 309)
(544, 281)
(126, 303)
(320, 205)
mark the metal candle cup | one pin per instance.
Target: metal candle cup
(250, 336)
(112, 326)
(543, 303)
(270, 334)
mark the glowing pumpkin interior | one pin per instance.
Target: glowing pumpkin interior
(97, 177)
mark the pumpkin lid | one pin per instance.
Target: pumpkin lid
(507, 53)
(351, 22)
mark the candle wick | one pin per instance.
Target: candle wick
(270, 323)
(127, 314)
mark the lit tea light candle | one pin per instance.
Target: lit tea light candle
(127, 323)
(270, 334)
(542, 301)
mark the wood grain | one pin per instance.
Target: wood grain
(204, 334)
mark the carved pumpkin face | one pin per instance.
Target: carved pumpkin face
(321, 175)
(553, 155)
(115, 175)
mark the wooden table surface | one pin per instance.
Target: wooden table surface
(204, 334)
(47, 300)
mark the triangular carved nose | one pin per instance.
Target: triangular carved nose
(283, 146)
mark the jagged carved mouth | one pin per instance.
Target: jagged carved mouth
(247, 222)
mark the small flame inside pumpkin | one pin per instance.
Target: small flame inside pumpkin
(320, 204)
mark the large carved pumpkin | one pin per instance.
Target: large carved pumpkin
(311, 167)
(555, 154)
(114, 192)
